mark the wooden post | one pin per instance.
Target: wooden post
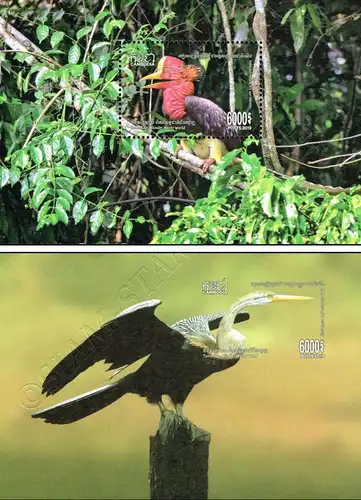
(178, 467)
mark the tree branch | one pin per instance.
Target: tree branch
(227, 32)
(269, 150)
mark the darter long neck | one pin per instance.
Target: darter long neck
(228, 337)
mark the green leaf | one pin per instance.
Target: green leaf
(42, 14)
(24, 159)
(77, 70)
(130, 77)
(285, 17)
(38, 176)
(96, 220)
(47, 152)
(14, 175)
(61, 214)
(56, 38)
(68, 97)
(26, 82)
(141, 219)
(57, 15)
(53, 219)
(36, 155)
(172, 146)
(94, 71)
(137, 147)
(113, 89)
(298, 239)
(62, 193)
(298, 28)
(112, 143)
(39, 197)
(118, 23)
(19, 80)
(68, 145)
(98, 145)
(40, 77)
(64, 183)
(90, 190)
(101, 15)
(265, 190)
(4, 176)
(356, 201)
(155, 148)
(107, 28)
(128, 228)
(311, 104)
(229, 157)
(63, 202)
(292, 92)
(114, 73)
(74, 54)
(99, 45)
(54, 52)
(83, 32)
(289, 184)
(42, 32)
(65, 171)
(79, 210)
(159, 26)
(291, 212)
(43, 215)
(312, 9)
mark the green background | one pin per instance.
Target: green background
(282, 427)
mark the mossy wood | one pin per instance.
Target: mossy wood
(179, 454)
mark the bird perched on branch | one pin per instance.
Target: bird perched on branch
(197, 113)
(179, 356)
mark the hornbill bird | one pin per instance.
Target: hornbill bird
(179, 103)
(179, 356)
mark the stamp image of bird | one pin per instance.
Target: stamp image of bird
(192, 113)
(179, 356)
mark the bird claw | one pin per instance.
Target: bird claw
(207, 164)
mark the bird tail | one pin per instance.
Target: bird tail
(81, 406)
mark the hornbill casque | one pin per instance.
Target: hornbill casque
(179, 356)
(179, 103)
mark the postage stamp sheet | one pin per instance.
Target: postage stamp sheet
(168, 92)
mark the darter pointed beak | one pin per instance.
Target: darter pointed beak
(279, 298)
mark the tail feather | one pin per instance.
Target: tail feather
(86, 404)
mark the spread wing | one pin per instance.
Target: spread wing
(197, 329)
(130, 336)
(212, 120)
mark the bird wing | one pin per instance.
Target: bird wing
(130, 336)
(212, 120)
(197, 329)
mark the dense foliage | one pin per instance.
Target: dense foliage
(265, 210)
(70, 174)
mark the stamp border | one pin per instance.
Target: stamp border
(259, 104)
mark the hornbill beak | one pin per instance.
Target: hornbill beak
(173, 69)
(163, 72)
(157, 75)
(279, 298)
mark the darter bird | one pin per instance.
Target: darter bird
(179, 356)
